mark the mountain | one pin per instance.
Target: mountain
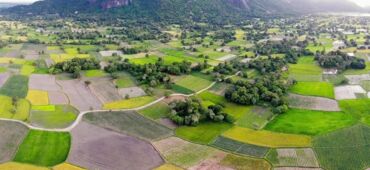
(198, 10)
(7, 5)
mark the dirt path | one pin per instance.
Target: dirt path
(80, 116)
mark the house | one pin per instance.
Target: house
(332, 71)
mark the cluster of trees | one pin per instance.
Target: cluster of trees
(268, 65)
(191, 112)
(74, 66)
(340, 61)
(229, 68)
(151, 74)
(268, 89)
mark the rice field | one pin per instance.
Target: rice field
(256, 118)
(58, 58)
(156, 111)
(59, 116)
(44, 148)
(267, 138)
(359, 108)
(245, 163)
(309, 122)
(129, 103)
(306, 69)
(189, 83)
(204, 133)
(20, 166)
(302, 157)
(10, 110)
(319, 89)
(27, 70)
(15, 86)
(95, 73)
(344, 149)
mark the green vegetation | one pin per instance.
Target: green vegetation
(27, 70)
(320, 89)
(156, 111)
(310, 122)
(44, 148)
(258, 138)
(306, 69)
(94, 73)
(15, 86)
(359, 108)
(203, 133)
(255, 118)
(129, 103)
(245, 163)
(60, 117)
(124, 81)
(193, 83)
(239, 147)
(14, 108)
(344, 149)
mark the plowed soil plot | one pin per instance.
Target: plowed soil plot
(97, 148)
(57, 98)
(129, 123)
(348, 92)
(43, 82)
(3, 78)
(11, 136)
(30, 55)
(104, 89)
(304, 157)
(313, 103)
(132, 92)
(80, 95)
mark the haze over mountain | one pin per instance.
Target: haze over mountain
(175, 9)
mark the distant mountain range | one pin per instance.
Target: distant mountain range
(174, 9)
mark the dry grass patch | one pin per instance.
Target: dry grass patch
(20, 166)
(66, 166)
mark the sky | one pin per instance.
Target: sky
(359, 2)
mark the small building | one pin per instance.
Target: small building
(351, 54)
(332, 71)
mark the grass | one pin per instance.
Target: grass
(245, 163)
(61, 117)
(130, 123)
(239, 147)
(10, 110)
(38, 97)
(124, 81)
(365, 85)
(44, 148)
(27, 70)
(203, 133)
(344, 149)
(2, 69)
(319, 89)
(95, 73)
(308, 122)
(129, 103)
(20, 166)
(256, 118)
(193, 83)
(45, 108)
(306, 69)
(156, 111)
(15, 86)
(267, 138)
(359, 108)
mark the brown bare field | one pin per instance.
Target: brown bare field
(313, 103)
(132, 92)
(11, 136)
(104, 89)
(80, 95)
(57, 98)
(97, 148)
(3, 78)
(43, 82)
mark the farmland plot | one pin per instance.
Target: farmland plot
(10, 110)
(319, 89)
(129, 123)
(245, 163)
(239, 147)
(348, 92)
(15, 86)
(79, 95)
(97, 148)
(357, 79)
(183, 153)
(131, 92)
(344, 149)
(104, 90)
(12, 135)
(43, 82)
(189, 83)
(312, 103)
(20, 166)
(66, 166)
(58, 98)
(304, 157)
(61, 117)
(3, 78)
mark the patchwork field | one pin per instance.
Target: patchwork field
(239, 147)
(359, 108)
(97, 148)
(344, 149)
(319, 89)
(59, 117)
(304, 157)
(312, 103)
(258, 138)
(130, 123)
(44, 148)
(14, 108)
(104, 90)
(306, 69)
(183, 153)
(245, 163)
(204, 133)
(310, 122)
(129, 103)
(12, 135)
(20, 166)
(156, 111)
(38, 97)
(256, 118)
(15, 86)
(189, 83)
